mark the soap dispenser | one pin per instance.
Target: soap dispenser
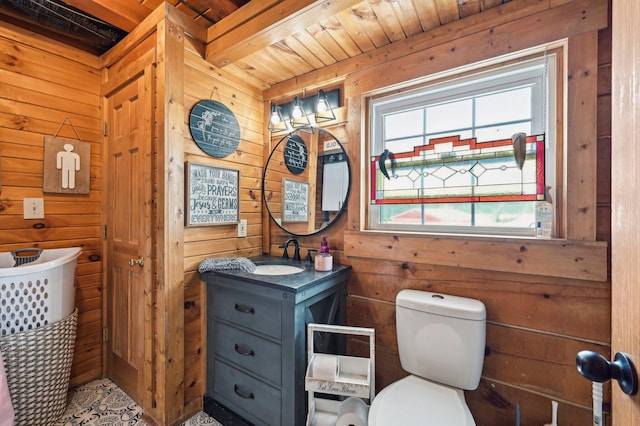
(324, 261)
(324, 245)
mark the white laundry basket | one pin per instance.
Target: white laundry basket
(36, 289)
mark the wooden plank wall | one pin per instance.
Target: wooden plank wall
(536, 323)
(202, 81)
(42, 84)
(34, 101)
(536, 326)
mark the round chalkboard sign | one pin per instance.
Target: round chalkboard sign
(214, 128)
(296, 155)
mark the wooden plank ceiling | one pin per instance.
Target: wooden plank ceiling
(271, 40)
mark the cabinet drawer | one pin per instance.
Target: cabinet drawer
(260, 356)
(249, 310)
(256, 399)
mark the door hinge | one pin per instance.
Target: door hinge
(105, 335)
(105, 129)
(104, 232)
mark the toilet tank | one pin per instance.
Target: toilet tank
(441, 337)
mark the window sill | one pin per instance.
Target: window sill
(584, 260)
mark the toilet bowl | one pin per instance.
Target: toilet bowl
(441, 341)
(418, 402)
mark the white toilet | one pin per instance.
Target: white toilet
(441, 341)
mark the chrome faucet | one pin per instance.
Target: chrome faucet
(296, 251)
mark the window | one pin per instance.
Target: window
(442, 157)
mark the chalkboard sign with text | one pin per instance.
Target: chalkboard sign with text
(296, 155)
(214, 128)
(295, 201)
(212, 196)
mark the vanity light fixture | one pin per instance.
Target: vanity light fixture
(298, 115)
(295, 114)
(324, 112)
(276, 121)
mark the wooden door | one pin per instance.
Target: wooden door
(625, 199)
(128, 210)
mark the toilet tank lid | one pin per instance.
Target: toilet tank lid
(442, 304)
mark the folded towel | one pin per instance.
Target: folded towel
(227, 264)
(6, 408)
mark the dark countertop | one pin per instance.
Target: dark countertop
(292, 282)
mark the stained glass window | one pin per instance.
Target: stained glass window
(450, 170)
(442, 157)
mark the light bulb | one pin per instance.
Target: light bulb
(322, 106)
(275, 118)
(297, 111)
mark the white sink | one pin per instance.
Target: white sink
(277, 269)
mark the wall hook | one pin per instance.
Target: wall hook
(215, 93)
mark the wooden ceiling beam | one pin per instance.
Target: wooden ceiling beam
(254, 27)
(122, 14)
(239, 17)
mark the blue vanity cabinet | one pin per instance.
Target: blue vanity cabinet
(256, 339)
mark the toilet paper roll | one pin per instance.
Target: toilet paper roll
(323, 419)
(325, 367)
(353, 412)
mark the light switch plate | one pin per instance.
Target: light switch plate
(242, 228)
(33, 208)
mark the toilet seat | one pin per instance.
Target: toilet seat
(419, 402)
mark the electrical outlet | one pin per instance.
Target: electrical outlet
(33, 208)
(242, 228)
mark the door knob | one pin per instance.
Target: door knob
(596, 368)
(138, 261)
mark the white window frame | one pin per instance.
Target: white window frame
(465, 83)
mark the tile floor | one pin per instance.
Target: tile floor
(101, 402)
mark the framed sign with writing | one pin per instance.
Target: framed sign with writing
(295, 200)
(212, 195)
(214, 128)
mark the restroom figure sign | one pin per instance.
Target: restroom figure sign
(68, 162)
(66, 166)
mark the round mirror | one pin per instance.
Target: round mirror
(306, 181)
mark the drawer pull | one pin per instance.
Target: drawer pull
(244, 351)
(244, 309)
(241, 394)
